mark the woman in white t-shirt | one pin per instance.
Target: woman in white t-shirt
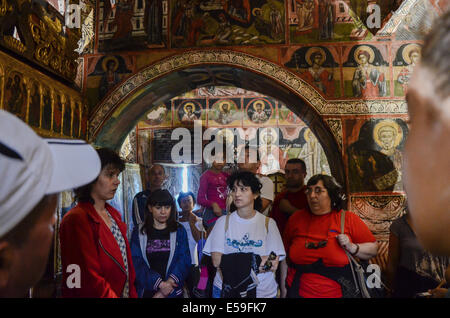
(246, 231)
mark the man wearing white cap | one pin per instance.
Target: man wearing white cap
(32, 172)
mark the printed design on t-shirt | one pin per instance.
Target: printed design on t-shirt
(158, 246)
(244, 243)
(222, 192)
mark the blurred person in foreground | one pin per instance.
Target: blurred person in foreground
(427, 164)
(32, 172)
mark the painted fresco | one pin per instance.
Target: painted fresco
(407, 57)
(34, 112)
(187, 111)
(235, 22)
(58, 114)
(374, 154)
(144, 151)
(67, 117)
(76, 120)
(160, 115)
(132, 24)
(317, 66)
(286, 116)
(105, 74)
(324, 21)
(378, 212)
(46, 108)
(366, 72)
(259, 111)
(225, 112)
(300, 142)
(16, 95)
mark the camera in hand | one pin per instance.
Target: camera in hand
(268, 264)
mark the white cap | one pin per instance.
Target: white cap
(32, 167)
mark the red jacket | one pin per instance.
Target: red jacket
(87, 242)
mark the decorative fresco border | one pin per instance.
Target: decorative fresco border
(254, 64)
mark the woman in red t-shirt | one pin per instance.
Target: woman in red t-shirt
(318, 265)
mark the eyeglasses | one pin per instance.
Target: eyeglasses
(317, 190)
(315, 246)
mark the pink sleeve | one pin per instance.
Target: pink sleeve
(202, 198)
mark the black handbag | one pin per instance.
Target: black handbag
(361, 275)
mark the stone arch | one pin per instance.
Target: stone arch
(122, 108)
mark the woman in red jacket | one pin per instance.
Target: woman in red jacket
(95, 254)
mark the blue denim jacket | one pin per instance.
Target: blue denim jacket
(178, 265)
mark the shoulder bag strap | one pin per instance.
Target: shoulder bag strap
(267, 224)
(227, 222)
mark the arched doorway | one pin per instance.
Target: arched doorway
(122, 109)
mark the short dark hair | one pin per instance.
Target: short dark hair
(297, 161)
(335, 190)
(436, 54)
(160, 197)
(183, 195)
(248, 179)
(19, 234)
(107, 157)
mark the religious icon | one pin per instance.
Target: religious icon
(411, 55)
(273, 158)
(224, 111)
(16, 96)
(57, 114)
(34, 113)
(368, 81)
(67, 118)
(258, 112)
(316, 73)
(46, 109)
(110, 76)
(188, 112)
(388, 135)
(312, 154)
(375, 159)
